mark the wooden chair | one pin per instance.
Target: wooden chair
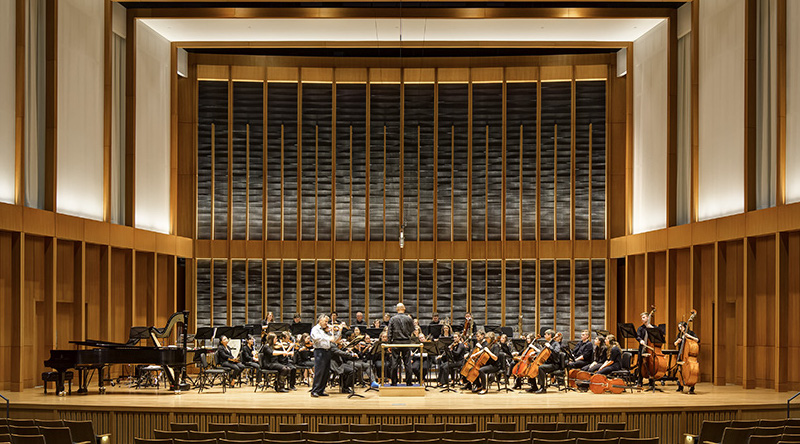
(553, 441)
(21, 422)
(772, 423)
(84, 431)
(384, 435)
(786, 437)
(572, 426)
(597, 441)
(542, 426)
(397, 428)
(5, 437)
(424, 436)
(361, 436)
(299, 427)
(639, 441)
(194, 434)
(56, 435)
(550, 434)
(29, 439)
(171, 434)
(744, 423)
(235, 441)
(364, 427)
(48, 423)
(263, 427)
(418, 441)
(767, 431)
(223, 427)
(24, 430)
(461, 427)
(759, 439)
(178, 426)
(508, 441)
(736, 435)
(377, 441)
(511, 436)
(151, 441)
(194, 441)
(634, 433)
(611, 426)
(791, 430)
(333, 428)
(321, 436)
(283, 436)
(594, 434)
(436, 427)
(244, 436)
(709, 431)
(501, 426)
(470, 436)
(462, 441)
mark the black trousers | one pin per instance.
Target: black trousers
(446, 370)
(544, 370)
(236, 368)
(401, 356)
(254, 365)
(484, 373)
(611, 368)
(322, 368)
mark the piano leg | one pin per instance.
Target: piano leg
(83, 381)
(101, 382)
(60, 383)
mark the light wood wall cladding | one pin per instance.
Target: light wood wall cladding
(740, 274)
(328, 173)
(670, 426)
(64, 278)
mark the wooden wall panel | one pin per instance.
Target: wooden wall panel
(761, 310)
(93, 291)
(703, 288)
(6, 306)
(121, 293)
(792, 327)
(731, 310)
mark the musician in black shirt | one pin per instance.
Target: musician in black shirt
(550, 365)
(270, 361)
(451, 360)
(250, 357)
(614, 361)
(642, 337)
(492, 347)
(401, 327)
(583, 351)
(225, 358)
(599, 355)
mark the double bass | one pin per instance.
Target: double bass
(689, 368)
(477, 359)
(655, 365)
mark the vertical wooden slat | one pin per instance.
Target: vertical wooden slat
(780, 198)
(748, 318)
(107, 88)
(672, 118)
(130, 123)
(17, 318)
(51, 106)
(781, 312)
(695, 106)
(19, 109)
(750, 100)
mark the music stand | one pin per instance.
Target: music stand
(626, 330)
(492, 328)
(435, 330)
(301, 328)
(432, 349)
(239, 332)
(223, 330)
(444, 343)
(373, 332)
(277, 326)
(520, 344)
(656, 337)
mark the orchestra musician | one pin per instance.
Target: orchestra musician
(386, 318)
(377, 324)
(683, 329)
(599, 355)
(435, 318)
(492, 347)
(225, 359)
(415, 357)
(550, 365)
(362, 363)
(374, 352)
(583, 351)
(287, 358)
(641, 336)
(528, 340)
(296, 319)
(452, 360)
(270, 360)
(250, 357)
(360, 321)
(401, 327)
(614, 361)
(469, 327)
(323, 338)
(305, 354)
(447, 331)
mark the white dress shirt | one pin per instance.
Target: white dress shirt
(322, 339)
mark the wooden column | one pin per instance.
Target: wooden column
(130, 121)
(51, 106)
(695, 106)
(672, 121)
(749, 271)
(79, 301)
(107, 327)
(750, 104)
(780, 198)
(107, 107)
(20, 326)
(719, 349)
(781, 312)
(19, 109)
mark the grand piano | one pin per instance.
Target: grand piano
(102, 354)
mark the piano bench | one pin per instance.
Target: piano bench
(53, 377)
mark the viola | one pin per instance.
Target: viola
(689, 370)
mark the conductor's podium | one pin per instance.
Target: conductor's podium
(400, 389)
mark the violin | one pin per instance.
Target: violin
(689, 368)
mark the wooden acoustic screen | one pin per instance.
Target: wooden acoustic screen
(455, 162)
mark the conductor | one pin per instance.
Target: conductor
(401, 328)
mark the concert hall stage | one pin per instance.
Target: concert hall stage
(126, 413)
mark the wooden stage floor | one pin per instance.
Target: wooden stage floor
(127, 412)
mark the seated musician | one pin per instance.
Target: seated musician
(480, 342)
(225, 359)
(363, 362)
(268, 320)
(505, 355)
(435, 318)
(447, 331)
(287, 359)
(360, 321)
(270, 361)
(342, 365)
(452, 360)
(583, 351)
(683, 327)
(529, 338)
(599, 355)
(550, 365)
(375, 354)
(250, 357)
(614, 361)
(386, 318)
(377, 324)
(415, 357)
(296, 319)
(492, 366)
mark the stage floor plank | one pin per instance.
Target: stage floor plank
(243, 399)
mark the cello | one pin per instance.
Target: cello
(477, 359)
(599, 384)
(654, 365)
(689, 371)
